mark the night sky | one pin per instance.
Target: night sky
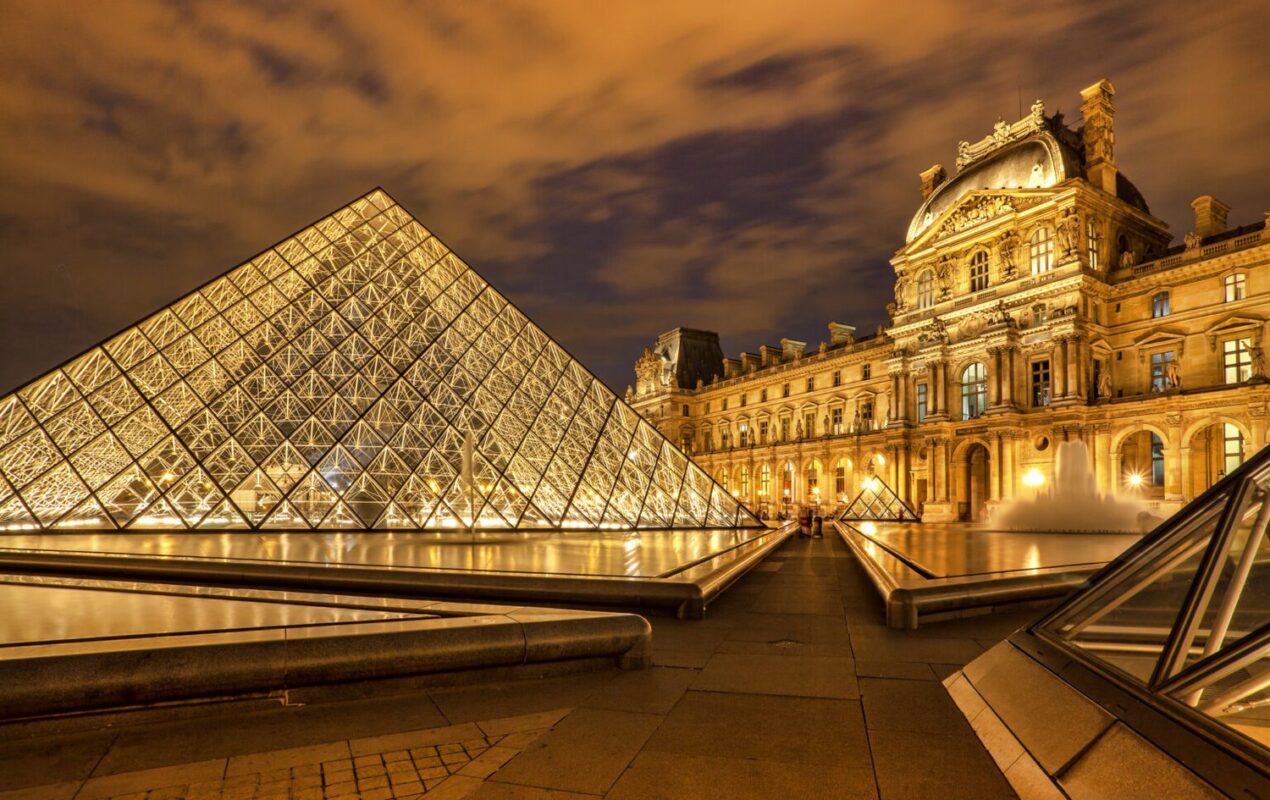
(616, 169)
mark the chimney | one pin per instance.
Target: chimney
(769, 355)
(749, 362)
(932, 179)
(1210, 215)
(1099, 135)
(792, 349)
(841, 334)
(731, 368)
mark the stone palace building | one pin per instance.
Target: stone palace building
(1037, 300)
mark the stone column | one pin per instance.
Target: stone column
(1114, 478)
(902, 402)
(1009, 479)
(1177, 476)
(1007, 379)
(931, 472)
(1058, 370)
(1103, 473)
(996, 471)
(1071, 360)
(945, 476)
(939, 382)
(994, 380)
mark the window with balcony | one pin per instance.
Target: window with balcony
(1236, 287)
(925, 290)
(1041, 251)
(979, 271)
(974, 391)
(1236, 360)
(1040, 383)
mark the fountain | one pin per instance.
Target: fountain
(1073, 503)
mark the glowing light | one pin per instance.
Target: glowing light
(868, 528)
(881, 458)
(871, 484)
(1033, 477)
(1134, 480)
(736, 493)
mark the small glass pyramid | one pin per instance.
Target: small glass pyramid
(357, 375)
(877, 501)
(1185, 613)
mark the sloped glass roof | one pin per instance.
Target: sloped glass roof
(1185, 614)
(356, 375)
(877, 501)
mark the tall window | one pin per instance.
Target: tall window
(866, 414)
(809, 424)
(785, 390)
(840, 478)
(725, 404)
(1157, 461)
(764, 481)
(1160, 370)
(925, 290)
(811, 384)
(762, 396)
(979, 271)
(1040, 383)
(866, 371)
(835, 418)
(743, 481)
(837, 377)
(762, 431)
(1041, 251)
(974, 391)
(723, 478)
(684, 409)
(784, 429)
(1094, 238)
(1232, 448)
(744, 398)
(745, 434)
(1237, 360)
(707, 440)
(921, 402)
(1160, 305)
(1236, 287)
(813, 479)
(787, 481)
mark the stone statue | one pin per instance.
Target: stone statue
(939, 331)
(855, 421)
(1068, 232)
(943, 271)
(1173, 373)
(1000, 316)
(673, 381)
(1258, 361)
(798, 430)
(1008, 247)
(630, 393)
(1128, 258)
(1104, 384)
(1192, 240)
(901, 289)
(826, 423)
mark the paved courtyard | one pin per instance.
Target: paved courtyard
(791, 687)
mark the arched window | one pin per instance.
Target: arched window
(1232, 448)
(974, 391)
(1041, 251)
(743, 481)
(925, 290)
(1236, 287)
(787, 482)
(1157, 461)
(813, 480)
(979, 271)
(765, 481)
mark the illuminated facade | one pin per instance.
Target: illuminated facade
(1037, 300)
(357, 375)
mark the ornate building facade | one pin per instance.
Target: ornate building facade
(1037, 300)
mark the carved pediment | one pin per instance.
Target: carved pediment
(978, 208)
(1235, 323)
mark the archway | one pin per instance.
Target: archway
(972, 489)
(1142, 464)
(1216, 450)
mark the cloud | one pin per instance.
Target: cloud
(617, 170)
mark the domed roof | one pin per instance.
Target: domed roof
(1037, 161)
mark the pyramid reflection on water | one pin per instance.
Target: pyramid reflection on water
(330, 382)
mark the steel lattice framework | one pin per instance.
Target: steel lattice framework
(1183, 617)
(331, 382)
(877, 501)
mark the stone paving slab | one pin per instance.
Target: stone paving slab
(724, 714)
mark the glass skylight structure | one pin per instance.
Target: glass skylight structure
(1183, 618)
(877, 501)
(358, 375)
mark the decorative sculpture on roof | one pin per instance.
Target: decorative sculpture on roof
(1192, 240)
(1002, 134)
(974, 212)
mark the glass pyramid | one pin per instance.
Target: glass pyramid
(357, 375)
(877, 501)
(1185, 614)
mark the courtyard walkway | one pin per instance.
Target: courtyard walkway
(790, 688)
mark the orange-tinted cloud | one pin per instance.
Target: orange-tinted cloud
(617, 168)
